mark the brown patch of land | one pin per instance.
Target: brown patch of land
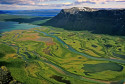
(36, 37)
(13, 44)
(50, 43)
(30, 36)
(47, 51)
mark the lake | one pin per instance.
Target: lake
(9, 26)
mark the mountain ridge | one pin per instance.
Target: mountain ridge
(77, 9)
(110, 22)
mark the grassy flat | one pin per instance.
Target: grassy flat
(47, 55)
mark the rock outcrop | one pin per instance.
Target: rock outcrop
(6, 78)
(97, 21)
(76, 10)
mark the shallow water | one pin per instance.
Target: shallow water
(83, 54)
(9, 26)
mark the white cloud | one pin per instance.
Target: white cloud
(99, 1)
(58, 4)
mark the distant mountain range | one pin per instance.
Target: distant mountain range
(2, 12)
(101, 21)
(40, 12)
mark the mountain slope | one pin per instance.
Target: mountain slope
(98, 21)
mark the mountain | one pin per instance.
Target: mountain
(97, 21)
(40, 12)
(2, 12)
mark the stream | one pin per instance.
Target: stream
(83, 54)
(74, 51)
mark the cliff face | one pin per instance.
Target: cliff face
(98, 21)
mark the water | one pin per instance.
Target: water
(83, 54)
(9, 26)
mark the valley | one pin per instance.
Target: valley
(49, 55)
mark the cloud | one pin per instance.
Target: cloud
(67, 3)
(98, 1)
(38, 2)
(58, 4)
(19, 2)
(24, 2)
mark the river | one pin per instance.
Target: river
(83, 54)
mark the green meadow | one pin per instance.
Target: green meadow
(48, 55)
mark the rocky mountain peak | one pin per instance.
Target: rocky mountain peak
(75, 10)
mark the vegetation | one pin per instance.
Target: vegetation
(48, 55)
(6, 78)
(93, 68)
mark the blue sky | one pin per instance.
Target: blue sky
(58, 4)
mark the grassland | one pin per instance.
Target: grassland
(36, 58)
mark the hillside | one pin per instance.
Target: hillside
(97, 21)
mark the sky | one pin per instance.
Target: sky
(58, 4)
